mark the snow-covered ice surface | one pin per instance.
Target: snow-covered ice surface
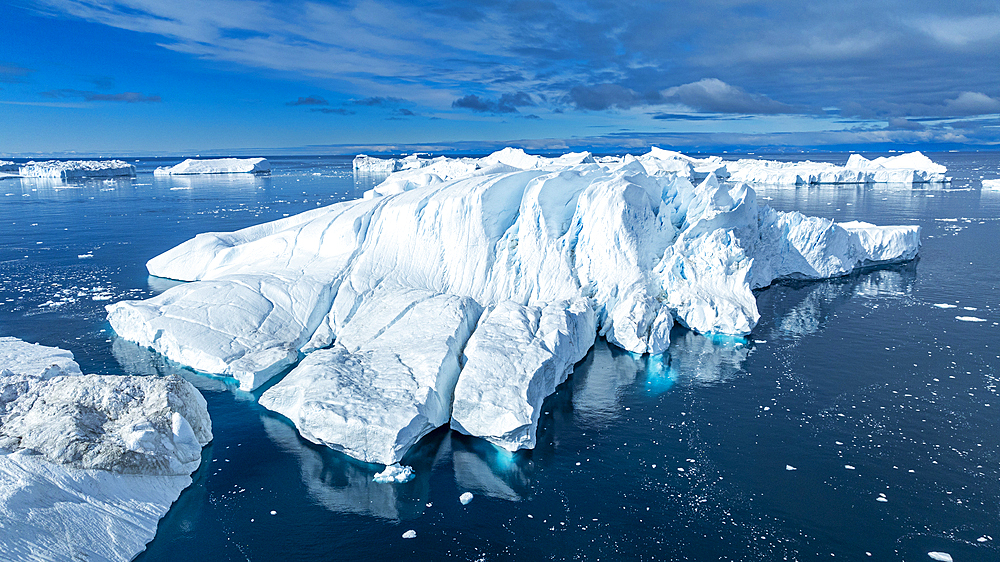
(562, 247)
(991, 184)
(89, 463)
(216, 166)
(76, 169)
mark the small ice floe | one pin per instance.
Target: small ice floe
(848, 467)
(411, 534)
(945, 305)
(85, 256)
(970, 319)
(273, 512)
(394, 474)
(970, 308)
(881, 498)
(465, 498)
(940, 556)
(982, 539)
(790, 467)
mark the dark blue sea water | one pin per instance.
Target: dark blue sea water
(883, 401)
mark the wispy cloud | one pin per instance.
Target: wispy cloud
(309, 100)
(508, 103)
(12, 74)
(125, 97)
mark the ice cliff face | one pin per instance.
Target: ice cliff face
(89, 463)
(482, 280)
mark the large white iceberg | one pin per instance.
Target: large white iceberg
(636, 244)
(89, 463)
(216, 166)
(77, 169)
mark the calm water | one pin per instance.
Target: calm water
(885, 405)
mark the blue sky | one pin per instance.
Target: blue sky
(238, 76)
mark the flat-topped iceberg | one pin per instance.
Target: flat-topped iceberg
(216, 166)
(991, 184)
(76, 169)
(89, 463)
(908, 168)
(386, 292)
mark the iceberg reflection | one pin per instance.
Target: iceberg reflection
(792, 309)
(344, 485)
(483, 468)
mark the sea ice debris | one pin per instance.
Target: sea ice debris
(411, 534)
(940, 556)
(395, 474)
(970, 319)
(465, 498)
(790, 467)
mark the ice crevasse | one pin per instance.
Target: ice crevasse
(463, 292)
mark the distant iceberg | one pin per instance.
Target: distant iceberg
(89, 463)
(908, 168)
(76, 169)
(991, 184)
(216, 166)
(462, 291)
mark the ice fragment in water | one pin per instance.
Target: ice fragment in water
(394, 473)
(411, 534)
(790, 467)
(940, 556)
(465, 498)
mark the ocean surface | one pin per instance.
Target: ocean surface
(860, 420)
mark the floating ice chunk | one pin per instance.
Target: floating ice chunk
(394, 474)
(790, 467)
(388, 381)
(216, 166)
(77, 169)
(848, 467)
(90, 463)
(411, 534)
(945, 305)
(970, 319)
(991, 184)
(465, 498)
(20, 358)
(517, 357)
(940, 556)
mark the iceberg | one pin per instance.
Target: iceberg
(913, 167)
(388, 291)
(216, 166)
(77, 169)
(991, 184)
(90, 463)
